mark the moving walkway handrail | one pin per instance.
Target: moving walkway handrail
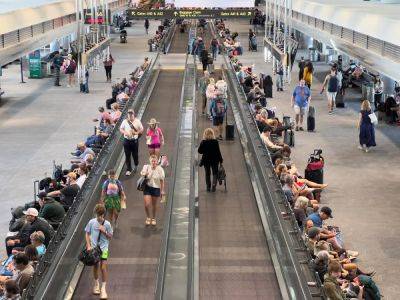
(290, 266)
(88, 194)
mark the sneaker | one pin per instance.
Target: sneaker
(366, 150)
(103, 293)
(330, 112)
(153, 222)
(68, 86)
(301, 128)
(96, 288)
(148, 221)
(128, 173)
(360, 147)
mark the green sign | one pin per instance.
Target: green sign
(35, 67)
(190, 13)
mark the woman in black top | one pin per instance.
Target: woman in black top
(211, 158)
(204, 58)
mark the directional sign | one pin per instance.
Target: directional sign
(189, 13)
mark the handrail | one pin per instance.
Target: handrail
(59, 243)
(168, 210)
(293, 273)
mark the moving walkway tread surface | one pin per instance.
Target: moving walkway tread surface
(235, 262)
(135, 249)
(179, 42)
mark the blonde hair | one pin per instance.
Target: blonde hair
(208, 134)
(115, 106)
(212, 80)
(365, 105)
(301, 202)
(153, 156)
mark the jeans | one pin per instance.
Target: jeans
(208, 168)
(279, 82)
(131, 148)
(108, 72)
(214, 53)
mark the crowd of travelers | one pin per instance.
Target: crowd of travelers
(336, 266)
(155, 42)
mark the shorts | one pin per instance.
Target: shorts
(331, 96)
(104, 255)
(152, 191)
(300, 110)
(218, 121)
(154, 146)
(113, 202)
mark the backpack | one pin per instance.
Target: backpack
(333, 84)
(219, 107)
(117, 182)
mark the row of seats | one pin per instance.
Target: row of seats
(334, 264)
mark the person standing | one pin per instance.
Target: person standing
(331, 82)
(378, 91)
(154, 137)
(204, 59)
(57, 63)
(300, 102)
(222, 87)
(154, 188)
(366, 127)
(210, 94)
(98, 232)
(267, 85)
(214, 48)
(217, 111)
(302, 65)
(279, 81)
(132, 129)
(69, 67)
(203, 83)
(146, 25)
(112, 194)
(308, 74)
(108, 62)
(211, 158)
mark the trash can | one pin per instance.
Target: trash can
(368, 91)
(313, 54)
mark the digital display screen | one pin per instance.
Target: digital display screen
(212, 3)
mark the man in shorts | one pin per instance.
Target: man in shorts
(331, 83)
(98, 233)
(300, 102)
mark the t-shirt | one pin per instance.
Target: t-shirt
(86, 152)
(316, 219)
(41, 250)
(92, 228)
(155, 136)
(301, 95)
(81, 180)
(112, 187)
(126, 127)
(69, 193)
(155, 175)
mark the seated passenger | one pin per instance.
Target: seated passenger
(38, 224)
(32, 255)
(25, 271)
(145, 64)
(266, 138)
(320, 264)
(82, 172)
(103, 116)
(82, 152)
(68, 193)
(115, 113)
(52, 211)
(11, 290)
(37, 240)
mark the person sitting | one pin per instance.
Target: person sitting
(313, 237)
(122, 98)
(301, 209)
(52, 211)
(145, 64)
(266, 138)
(82, 172)
(25, 271)
(32, 254)
(38, 224)
(103, 116)
(320, 264)
(116, 113)
(82, 152)
(68, 193)
(11, 290)
(37, 240)
(287, 188)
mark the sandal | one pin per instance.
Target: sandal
(148, 221)
(153, 222)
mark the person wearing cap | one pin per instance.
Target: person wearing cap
(51, 210)
(103, 116)
(38, 224)
(68, 193)
(37, 240)
(313, 235)
(132, 129)
(154, 137)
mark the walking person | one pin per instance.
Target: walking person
(57, 63)
(154, 188)
(69, 67)
(267, 85)
(308, 74)
(366, 127)
(302, 65)
(300, 102)
(331, 82)
(203, 83)
(378, 91)
(98, 233)
(112, 195)
(108, 62)
(214, 47)
(146, 25)
(210, 94)
(211, 158)
(217, 111)
(132, 129)
(154, 137)
(279, 79)
(204, 59)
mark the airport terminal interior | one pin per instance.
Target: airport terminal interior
(180, 149)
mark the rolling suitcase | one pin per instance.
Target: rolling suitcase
(311, 119)
(315, 167)
(229, 129)
(288, 137)
(339, 100)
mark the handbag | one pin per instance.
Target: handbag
(91, 257)
(142, 183)
(123, 203)
(373, 117)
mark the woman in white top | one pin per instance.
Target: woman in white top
(378, 91)
(210, 94)
(154, 188)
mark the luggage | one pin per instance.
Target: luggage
(315, 167)
(339, 100)
(229, 129)
(288, 137)
(311, 119)
(221, 175)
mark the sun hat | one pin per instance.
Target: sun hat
(153, 121)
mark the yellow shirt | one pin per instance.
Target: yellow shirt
(307, 76)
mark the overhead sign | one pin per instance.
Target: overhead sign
(213, 3)
(100, 17)
(189, 13)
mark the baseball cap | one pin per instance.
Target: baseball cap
(313, 232)
(41, 195)
(326, 210)
(31, 212)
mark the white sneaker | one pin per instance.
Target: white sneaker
(366, 150)
(96, 288)
(103, 293)
(68, 86)
(360, 147)
(128, 173)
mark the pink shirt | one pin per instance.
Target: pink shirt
(155, 135)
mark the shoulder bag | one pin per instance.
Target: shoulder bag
(142, 183)
(91, 257)
(133, 127)
(374, 119)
